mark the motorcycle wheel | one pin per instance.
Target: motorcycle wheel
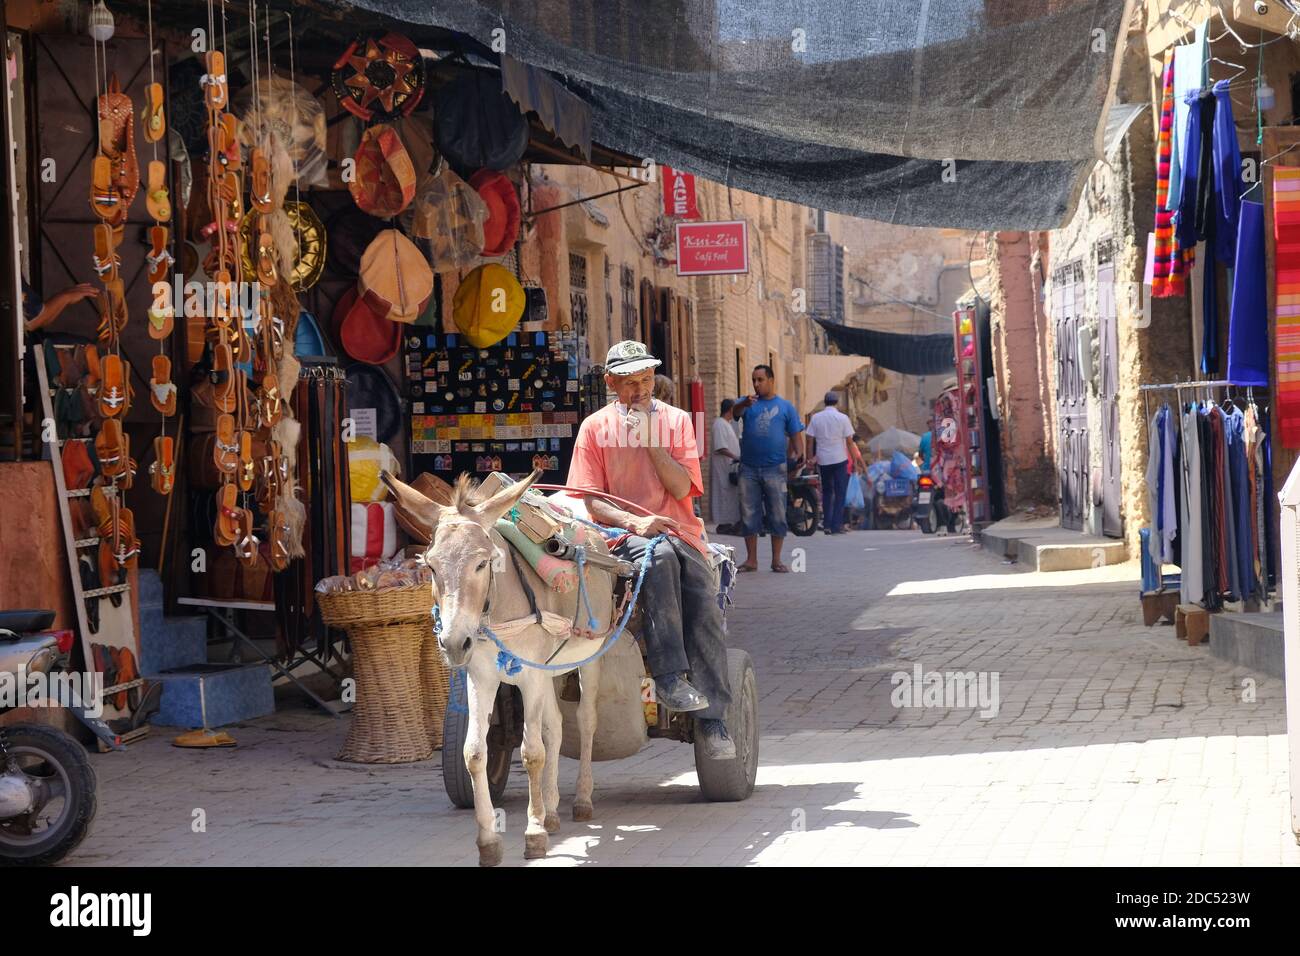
(801, 515)
(59, 766)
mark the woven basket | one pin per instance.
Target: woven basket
(402, 682)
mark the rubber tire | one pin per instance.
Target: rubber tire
(808, 505)
(81, 795)
(727, 781)
(925, 525)
(455, 777)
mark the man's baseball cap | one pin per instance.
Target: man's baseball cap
(628, 358)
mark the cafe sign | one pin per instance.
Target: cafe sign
(712, 248)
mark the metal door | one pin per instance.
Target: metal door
(1112, 524)
(1071, 396)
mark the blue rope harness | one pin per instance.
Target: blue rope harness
(512, 664)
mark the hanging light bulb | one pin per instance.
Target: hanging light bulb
(1265, 96)
(101, 23)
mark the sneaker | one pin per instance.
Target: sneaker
(718, 744)
(676, 694)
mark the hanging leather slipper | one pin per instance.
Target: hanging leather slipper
(117, 142)
(126, 672)
(104, 200)
(162, 472)
(260, 167)
(222, 298)
(126, 551)
(225, 449)
(111, 573)
(231, 123)
(279, 532)
(247, 472)
(226, 530)
(162, 391)
(267, 486)
(154, 122)
(161, 321)
(78, 469)
(112, 395)
(266, 271)
(106, 259)
(130, 389)
(223, 365)
(156, 199)
(214, 81)
(159, 258)
(247, 542)
(127, 476)
(93, 373)
(101, 507)
(269, 405)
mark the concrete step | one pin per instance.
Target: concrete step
(167, 643)
(150, 591)
(1249, 640)
(1040, 544)
(230, 692)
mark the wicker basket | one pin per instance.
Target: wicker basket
(402, 682)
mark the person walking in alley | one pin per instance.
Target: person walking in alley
(831, 433)
(724, 453)
(772, 426)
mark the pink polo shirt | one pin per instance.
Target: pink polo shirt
(610, 456)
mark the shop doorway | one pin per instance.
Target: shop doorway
(1071, 395)
(1112, 523)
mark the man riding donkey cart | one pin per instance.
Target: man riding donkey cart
(635, 469)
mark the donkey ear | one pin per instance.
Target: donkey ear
(416, 513)
(495, 507)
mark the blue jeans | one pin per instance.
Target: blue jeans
(682, 623)
(835, 482)
(759, 485)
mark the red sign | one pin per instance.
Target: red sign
(679, 194)
(712, 248)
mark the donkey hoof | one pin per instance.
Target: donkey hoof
(536, 845)
(490, 855)
(581, 812)
(552, 823)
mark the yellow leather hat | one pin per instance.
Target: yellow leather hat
(488, 305)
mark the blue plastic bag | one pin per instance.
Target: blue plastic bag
(900, 466)
(853, 497)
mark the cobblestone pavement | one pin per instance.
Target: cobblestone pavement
(1112, 744)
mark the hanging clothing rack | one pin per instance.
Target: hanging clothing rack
(1217, 383)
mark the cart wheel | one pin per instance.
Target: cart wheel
(455, 729)
(731, 780)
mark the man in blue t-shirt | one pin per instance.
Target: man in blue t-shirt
(771, 426)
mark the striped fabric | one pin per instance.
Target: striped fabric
(1170, 271)
(1286, 238)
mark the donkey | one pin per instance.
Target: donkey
(472, 578)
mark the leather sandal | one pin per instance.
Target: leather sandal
(161, 321)
(229, 514)
(112, 462)
(247, 473)
(162, 472)
(112, 396)
(124, 660)
(267, 486)
(106, 259)
(231, 123)
(224, 395)
(101, 508)
(154, 121)
(104, 200)
(214, 81)
(247, 542)
(159, 258)
(93, 374)
(225, 448)
(222, 299)
(111, 573)
(278, 530)
(156, 199)
(260, 191)
(269, 400)
(127, 478)
(117, 142)
(162, 390)
(266, 271)
(126, 551)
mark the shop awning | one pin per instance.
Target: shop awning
(905, 354)
(966, 113)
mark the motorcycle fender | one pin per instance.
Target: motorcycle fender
(95, 725)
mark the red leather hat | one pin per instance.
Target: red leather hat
(362, 333)
(502, 227)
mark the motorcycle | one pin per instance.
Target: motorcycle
(923, 512)
(893, 503)
(47, 786)
(803, 501)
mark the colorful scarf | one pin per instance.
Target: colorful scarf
(1286, 238)
(1169, 277)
